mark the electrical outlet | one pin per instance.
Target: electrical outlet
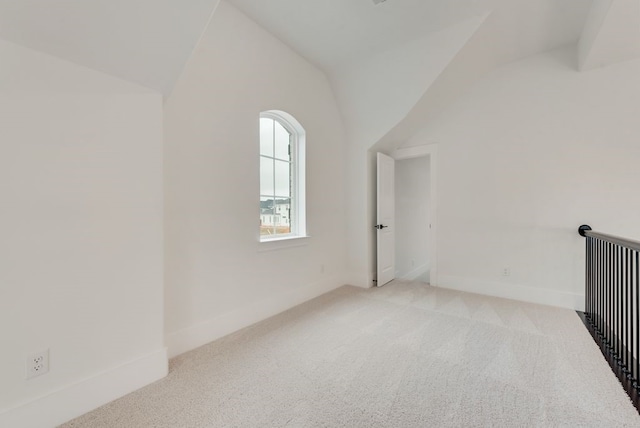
(506, 271)
(37, 364)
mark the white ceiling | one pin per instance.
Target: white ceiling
(149, 41)
(333, 33)
(142, 41)
(330, 32)
(611, 34)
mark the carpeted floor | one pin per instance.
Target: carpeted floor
(404, 355)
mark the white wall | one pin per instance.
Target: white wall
(412, 190)
(377, 92)
(81, 247)
(375, 95)
(531, 152)
(218, 279)
(463, 55)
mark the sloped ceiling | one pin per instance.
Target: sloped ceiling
(336, 33)
(142, 41)
(332, 32)
(611, 34)
(149, 41)
(345, 38)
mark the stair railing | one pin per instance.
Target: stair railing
(612, 303)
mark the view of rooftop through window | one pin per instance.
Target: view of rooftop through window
(275, 178)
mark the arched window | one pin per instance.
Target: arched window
(282, 176)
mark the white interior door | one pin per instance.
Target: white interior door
(385, 225)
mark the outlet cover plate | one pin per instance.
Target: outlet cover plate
(37, 364)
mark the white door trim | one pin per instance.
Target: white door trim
(430, 150)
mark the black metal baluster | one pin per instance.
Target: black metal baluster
(637, 287)
(621, 297)
(607, 303)
(588, 275)
(596, 286)
(610, 342)
(616, 305)
(611, 294)
(629, 350)
(601, 246)
(597, 283)
(605, 313)
(623, 304)
(601, 295)
(619, 300)
(629, 322)
(632, 326)
(603, 287)
(611, 287)
(590, 297)
(634, 316)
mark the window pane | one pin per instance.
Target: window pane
(283, 179)
(266, 176)
(282, 221)
(266, 216)
(266, 136)
(282, 138)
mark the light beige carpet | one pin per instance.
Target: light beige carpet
(404, 355)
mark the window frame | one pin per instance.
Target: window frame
(297, 217)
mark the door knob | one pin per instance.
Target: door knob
(380, 226)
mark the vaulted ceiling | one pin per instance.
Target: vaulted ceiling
(149, 41)
(143, 41)
(332, 32)
(336, 33)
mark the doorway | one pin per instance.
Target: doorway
(412, 219)
(415, 208)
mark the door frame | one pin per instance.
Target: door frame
(430, 150)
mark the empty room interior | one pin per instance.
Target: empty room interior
(333, 213)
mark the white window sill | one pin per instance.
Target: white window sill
(282, 243)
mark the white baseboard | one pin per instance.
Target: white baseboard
(197, 335)
(81, 397)
(415, 273)
(359, 280)
(545, 296)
